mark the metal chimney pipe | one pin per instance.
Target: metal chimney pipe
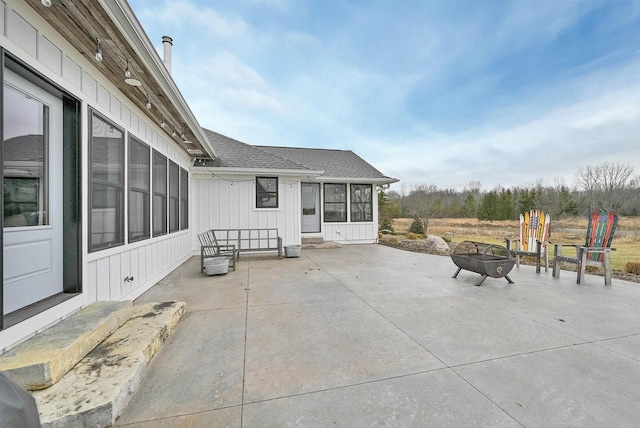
(167, 42)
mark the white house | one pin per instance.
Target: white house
(101, 195)
(330, 194)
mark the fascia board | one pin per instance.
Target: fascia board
(357, 180)
(254, 171)
(123, 16)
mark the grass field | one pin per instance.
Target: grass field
(567, 230)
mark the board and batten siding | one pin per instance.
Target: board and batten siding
(348, 232)
(27, 36)
(230, 203)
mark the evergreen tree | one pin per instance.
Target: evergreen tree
(417, 226)
(488, 209)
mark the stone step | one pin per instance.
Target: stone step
(312, 240)
(43, 360)
(99, 387)
(320, 245)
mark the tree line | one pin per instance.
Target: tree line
(607, 185)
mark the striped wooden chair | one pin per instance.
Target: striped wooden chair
(597, 248)
(534, 231)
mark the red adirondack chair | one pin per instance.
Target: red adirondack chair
(597, 249)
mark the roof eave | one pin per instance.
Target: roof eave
(198, 170)
(123, 16)
(357, 180)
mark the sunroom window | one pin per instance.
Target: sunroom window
(335, 202)
(139, 190)
(159, 194)
(107, 184)
(361, 202)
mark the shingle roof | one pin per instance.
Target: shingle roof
(236, 154)
(334, 163)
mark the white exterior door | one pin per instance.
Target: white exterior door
(310, 207)
(32, 184)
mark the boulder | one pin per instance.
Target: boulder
(437, 245)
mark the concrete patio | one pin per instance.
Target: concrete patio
(368, 335)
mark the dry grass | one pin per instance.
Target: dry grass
(567, 230)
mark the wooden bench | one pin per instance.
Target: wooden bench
(250, 240)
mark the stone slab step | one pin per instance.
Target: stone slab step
(99, 387)
(312, 240)
(43, 360)
(323, 244)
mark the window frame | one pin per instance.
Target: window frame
(184, 199)
(146, 210)
(119, 232)
(326, 203)
(356, 203)
(173, 200)
(159, 194)
(260, 194)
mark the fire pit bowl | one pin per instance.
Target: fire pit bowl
(486, 259)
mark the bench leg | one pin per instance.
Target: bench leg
(457, 272)
(556, 263)
(582, 269)
(607, 268)
(508, 279)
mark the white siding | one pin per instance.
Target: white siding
(229, 202)
(218, 203)
(24, 34)
(352, 233)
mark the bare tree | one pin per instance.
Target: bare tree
(605, 185)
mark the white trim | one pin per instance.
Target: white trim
(126, 21)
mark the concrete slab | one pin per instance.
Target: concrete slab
(199, 291)
(42, 360)
(459, 330)
(199, 369)
(298, 348)
(439, 399)
(583, 385)
(227, 418)
(347, 336)
(96, 390)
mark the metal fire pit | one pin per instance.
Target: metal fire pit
(486, 259)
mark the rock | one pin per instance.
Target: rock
(437, 245)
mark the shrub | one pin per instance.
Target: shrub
(419, 236)
(412, 236)
(393, 239)
(417, 226)
(632, 267)
(446, 238)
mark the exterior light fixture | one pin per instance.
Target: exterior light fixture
(182, 135)
(174, 133)
(46, 3)
(98, 51)
(162, 124)
(148, 102)
(127, 77)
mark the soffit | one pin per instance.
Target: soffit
(80, 22)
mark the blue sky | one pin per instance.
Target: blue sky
(439, 92)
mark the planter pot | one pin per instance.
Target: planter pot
(292, 250)
(216, 265)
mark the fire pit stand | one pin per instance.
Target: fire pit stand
(486, 259)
